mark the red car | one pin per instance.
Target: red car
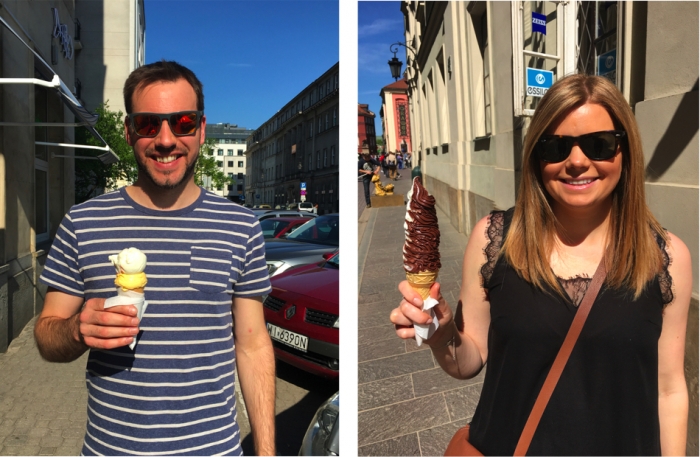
(302, 317)
(277, 227)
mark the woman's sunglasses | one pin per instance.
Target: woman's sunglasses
(596, 145)
(147, 125)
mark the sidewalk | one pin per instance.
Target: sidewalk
(406, 404)
(43, 406)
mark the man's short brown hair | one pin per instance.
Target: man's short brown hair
(164, 70)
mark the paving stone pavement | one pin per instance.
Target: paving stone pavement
(406, 404)
(43, 405)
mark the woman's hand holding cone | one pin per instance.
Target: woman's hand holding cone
(410, 312)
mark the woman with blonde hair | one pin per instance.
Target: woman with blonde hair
(580, 202)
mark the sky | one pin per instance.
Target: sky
(379, 25)
(251, 56)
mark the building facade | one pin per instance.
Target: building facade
(229, 152)
(293, 156)
(366, 133)
(471, 102)
(396, 122)
(40, 46)
(113, 39)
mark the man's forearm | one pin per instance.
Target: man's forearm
(256, 373)
(58, 339)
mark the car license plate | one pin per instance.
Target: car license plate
(292, 339)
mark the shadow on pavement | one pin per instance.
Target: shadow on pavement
(291, 424)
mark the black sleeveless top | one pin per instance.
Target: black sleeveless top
(606, 401)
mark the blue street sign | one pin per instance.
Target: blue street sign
(539, 23)
(607, 63)
(538, 81)
(303, 185)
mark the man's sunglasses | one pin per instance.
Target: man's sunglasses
(596, 146)
(147, 125)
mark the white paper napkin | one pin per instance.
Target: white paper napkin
(128, 297)
(423, 332)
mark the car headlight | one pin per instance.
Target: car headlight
(273, 266)
(322, 436)
(336, 324)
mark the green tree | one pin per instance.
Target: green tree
(92, 177)
(207, 169)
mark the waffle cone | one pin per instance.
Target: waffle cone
(138, 290)
(422, 281)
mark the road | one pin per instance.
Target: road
(43, 405)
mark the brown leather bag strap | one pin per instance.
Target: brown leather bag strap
(561, 359)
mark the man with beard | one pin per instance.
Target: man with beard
(174, 392)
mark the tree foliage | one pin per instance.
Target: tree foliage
(207, 172)
(92, 177)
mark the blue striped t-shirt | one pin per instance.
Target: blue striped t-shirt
(174, 394)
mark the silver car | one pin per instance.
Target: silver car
(312, 242)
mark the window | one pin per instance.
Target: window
(230, 187)
(240, 175)
(320, 124)
(230, 176)
(240, 164)
(402, 120)
(230, 163)
(240, 152)
(318, 159)
(325, 157)
(311, 161)
(229, 152)
(239, 187)
(332, 155)
(220, 164)
(311, 129)
(335, 116)
(327, 121)
(220, 152)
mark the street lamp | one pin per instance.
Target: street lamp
(395, 64)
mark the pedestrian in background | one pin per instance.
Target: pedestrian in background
(367, 167)
(399, 158)
(581, 202)
(174, 393)
(382, 163)
(391, 163)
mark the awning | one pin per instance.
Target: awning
(87, 119)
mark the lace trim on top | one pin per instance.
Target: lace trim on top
(574, 287)
(494, 232)
(665, 280)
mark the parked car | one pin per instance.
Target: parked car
(306, 245)
(263, 214)
(322, 435)
(302, 317)
(307, 206)
(279, 227)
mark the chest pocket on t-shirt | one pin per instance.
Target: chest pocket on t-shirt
(210, 269)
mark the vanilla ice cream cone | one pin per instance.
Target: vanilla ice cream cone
(130, 265)
(422, 281)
